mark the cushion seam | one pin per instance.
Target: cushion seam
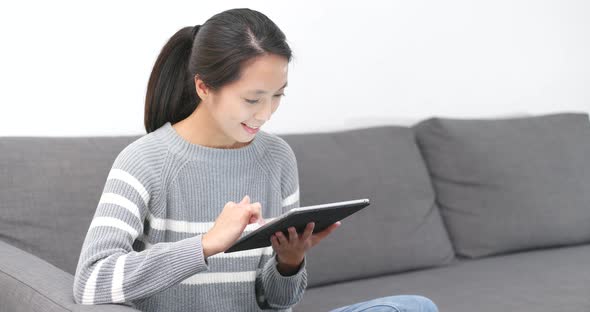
(37, 291)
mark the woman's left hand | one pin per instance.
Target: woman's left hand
(291, 250)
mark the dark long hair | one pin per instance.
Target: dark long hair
(216, 53)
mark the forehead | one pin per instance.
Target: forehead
(265, 73)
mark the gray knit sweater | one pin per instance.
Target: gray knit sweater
(143, 247)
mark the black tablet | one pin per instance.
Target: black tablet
(322, 215)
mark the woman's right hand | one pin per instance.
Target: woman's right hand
(230, 224)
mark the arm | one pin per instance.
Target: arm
(280, 286)
(109, 270)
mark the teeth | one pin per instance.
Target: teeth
(252, 127)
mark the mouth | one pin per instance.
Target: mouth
(250, 129)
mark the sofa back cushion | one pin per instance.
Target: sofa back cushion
(510, 184)
(49, 190)
(399, 231)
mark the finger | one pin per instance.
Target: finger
(308, 231)
(316, 238)
(245, 200)
(256, 206)
(260, 221)
(281, 237)
(334, 226)
(329, 229)
(256, 211)
(321, 235)
(274, 242)
(293, 237)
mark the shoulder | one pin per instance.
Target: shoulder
(280, 151)
(285, 162)
(142, 161)
(145, 150)
(280, 161)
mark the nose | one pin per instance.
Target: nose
(265, 112)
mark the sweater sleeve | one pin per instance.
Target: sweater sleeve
(109, 270)
(273, 289)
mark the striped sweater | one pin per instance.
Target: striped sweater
(143, 247)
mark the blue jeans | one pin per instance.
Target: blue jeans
(403, 303)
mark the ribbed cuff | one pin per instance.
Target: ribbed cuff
(284, 291)
(275, 263)
(186, 257)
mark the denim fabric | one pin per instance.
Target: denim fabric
(402, 303)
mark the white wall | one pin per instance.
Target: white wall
(78, 68)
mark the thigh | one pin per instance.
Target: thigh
(401, 303)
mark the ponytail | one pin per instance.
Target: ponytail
(171, 95)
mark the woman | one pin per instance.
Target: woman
(152, 243)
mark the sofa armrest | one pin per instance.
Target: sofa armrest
(29, 283)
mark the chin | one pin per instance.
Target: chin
(245, 138)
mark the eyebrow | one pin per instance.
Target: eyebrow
(258, 91)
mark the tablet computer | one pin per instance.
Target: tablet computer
(322, 215)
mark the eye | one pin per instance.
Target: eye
(256, 101)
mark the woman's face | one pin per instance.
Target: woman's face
(251, 100)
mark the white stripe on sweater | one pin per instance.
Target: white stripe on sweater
(238, 254)
(90, 287)
(118, 277)
(220, 277)
(291, 199)
(113, 222)
(202, 227)
(126, 177)
(244, 253)
(179, 225)
(190, 227)
(112, 198)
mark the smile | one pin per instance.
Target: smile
(250, 130)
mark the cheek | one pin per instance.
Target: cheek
(231, 110)
(240, 113)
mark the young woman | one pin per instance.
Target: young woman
(204, 174)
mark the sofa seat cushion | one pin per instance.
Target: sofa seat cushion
(399, 231)
(555, 279)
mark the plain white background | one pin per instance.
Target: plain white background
(77, 68)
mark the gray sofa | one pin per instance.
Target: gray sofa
(475, 214)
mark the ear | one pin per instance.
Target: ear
(202, 89)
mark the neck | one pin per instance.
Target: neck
(200, 128)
